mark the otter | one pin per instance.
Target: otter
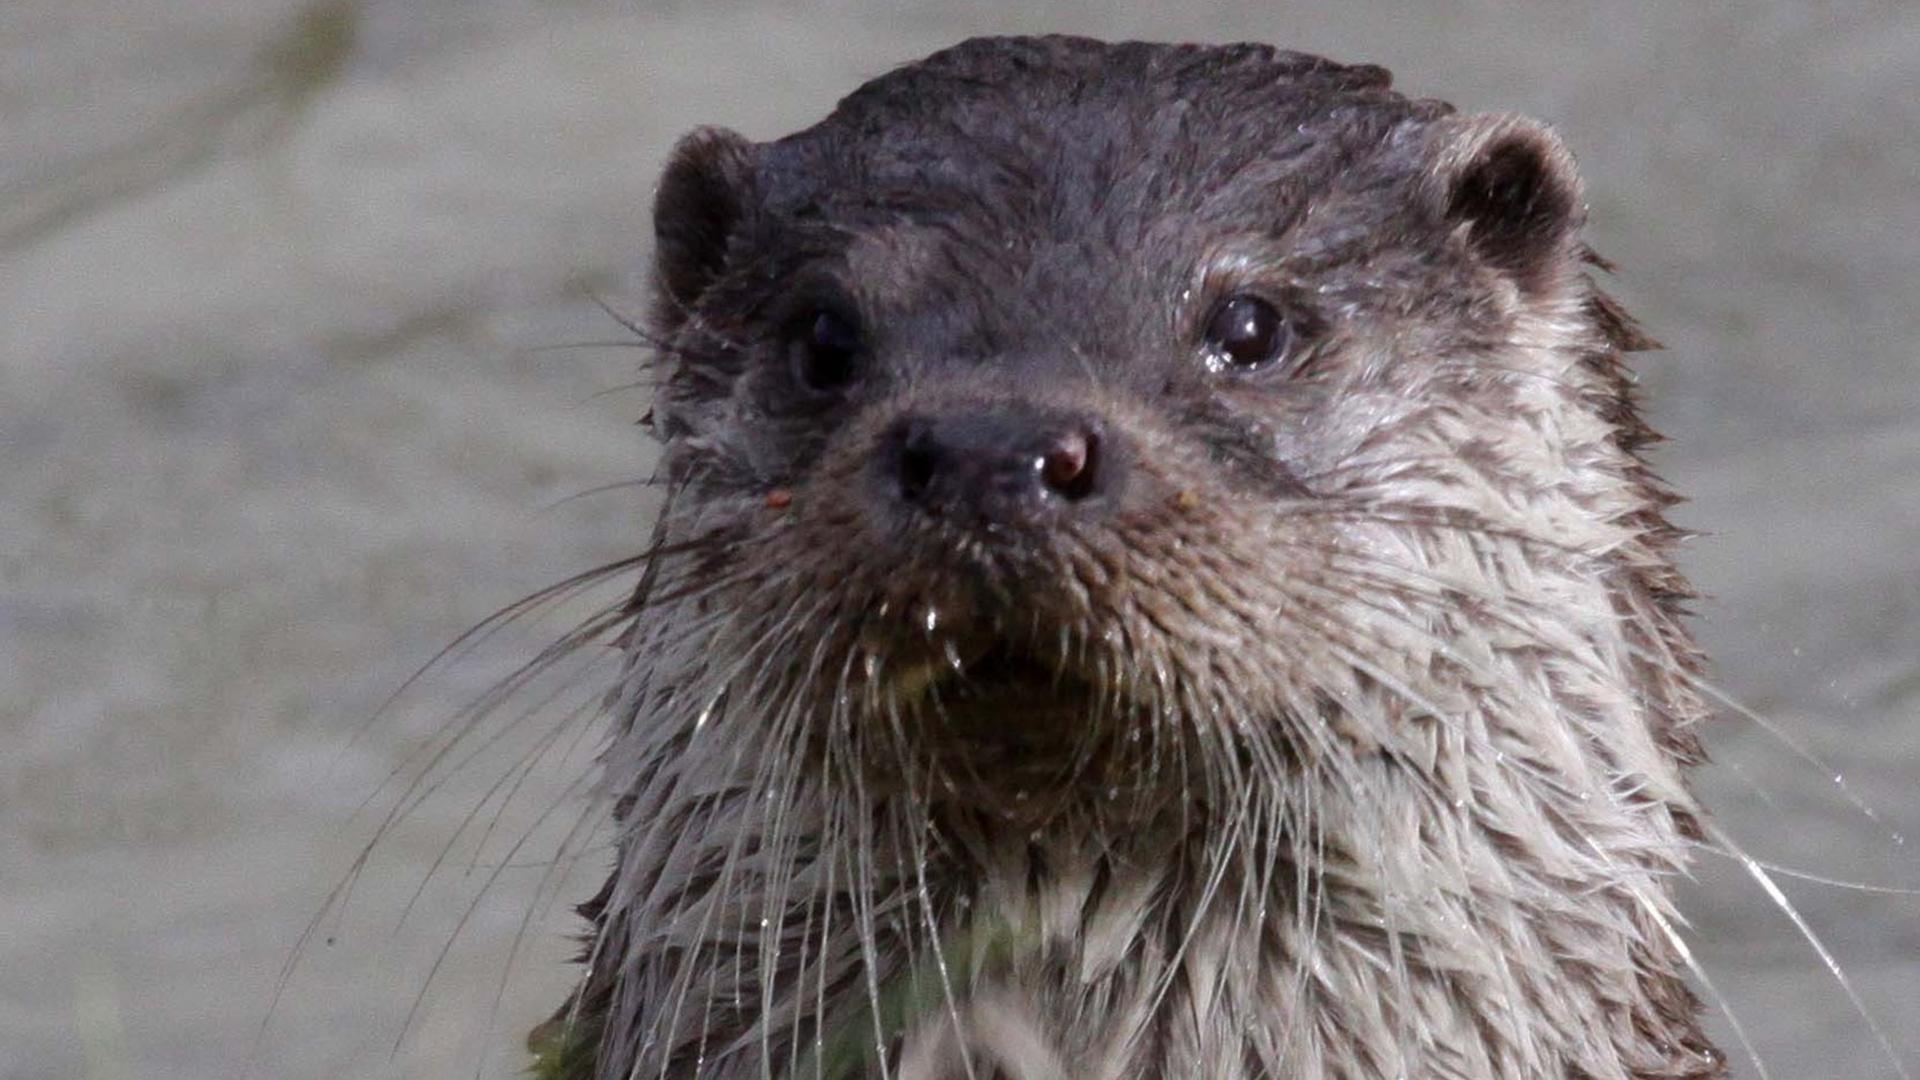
(1158, 578)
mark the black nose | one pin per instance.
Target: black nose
(998, 465)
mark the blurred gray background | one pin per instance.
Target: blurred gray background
(278, 422)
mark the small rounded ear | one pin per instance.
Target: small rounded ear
(701, 198)
(1512, 184)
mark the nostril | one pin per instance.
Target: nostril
(1067, 466)
(919, 461)
(993, 467)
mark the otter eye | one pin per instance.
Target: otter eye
(824, 351)
(1246, 333)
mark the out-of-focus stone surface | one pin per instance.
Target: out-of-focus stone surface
(273, 278)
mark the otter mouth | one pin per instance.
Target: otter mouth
(993, 688)
(1002, 673)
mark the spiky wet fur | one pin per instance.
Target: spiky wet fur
(1379, 777)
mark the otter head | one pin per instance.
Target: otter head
(1158, 531)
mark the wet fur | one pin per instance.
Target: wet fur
(1387, 706)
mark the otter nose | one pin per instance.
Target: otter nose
(995, 466)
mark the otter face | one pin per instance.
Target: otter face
(1165, 524)
(1054, 407)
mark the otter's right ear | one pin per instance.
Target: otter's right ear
(702, 197)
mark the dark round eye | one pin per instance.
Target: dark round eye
(824, 349)
(1245, 333)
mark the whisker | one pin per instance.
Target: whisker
(1678, 942)
(1804, 875)
(578, 785)
(1767, 885)
(602, 489)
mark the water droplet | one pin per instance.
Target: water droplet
(933, 619)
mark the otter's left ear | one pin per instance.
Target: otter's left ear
(1512, 185)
